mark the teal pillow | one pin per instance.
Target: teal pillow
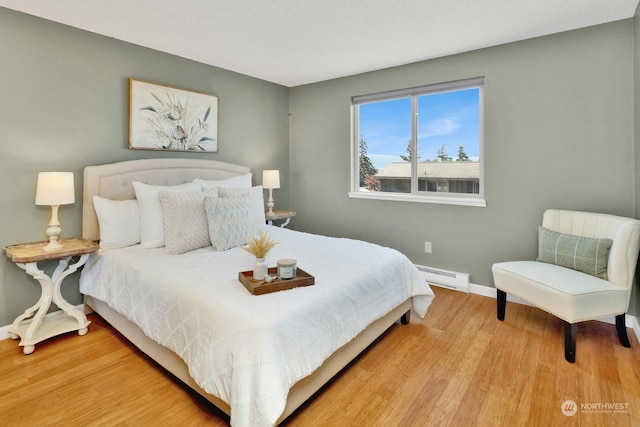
(585, 254)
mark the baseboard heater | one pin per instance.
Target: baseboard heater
(445, 278)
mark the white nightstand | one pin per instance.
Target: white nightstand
(279, 216)
(32, 326)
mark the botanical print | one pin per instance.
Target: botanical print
(166, 118)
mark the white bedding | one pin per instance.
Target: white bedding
(249, 350)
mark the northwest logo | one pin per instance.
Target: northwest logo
(569, 408)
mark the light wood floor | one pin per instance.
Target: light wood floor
(459, 366)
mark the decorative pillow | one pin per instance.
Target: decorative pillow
(119, 222)
(151, 220)
(185, 221)
(585, 254)
(241, 181)
(234, 215)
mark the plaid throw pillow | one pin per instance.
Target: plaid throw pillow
(585, 254)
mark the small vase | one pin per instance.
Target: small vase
(259, 269)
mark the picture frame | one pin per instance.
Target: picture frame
(168, 118)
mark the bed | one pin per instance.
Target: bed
(257, 358)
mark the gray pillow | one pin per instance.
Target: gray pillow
(235, 215)
(585, 254)
(185, 220)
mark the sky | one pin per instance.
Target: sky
(447, 118)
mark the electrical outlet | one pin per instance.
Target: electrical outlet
(427, 247)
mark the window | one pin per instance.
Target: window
(422, 144)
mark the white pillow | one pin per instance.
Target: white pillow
(235, 215)
(151, 220)
(241, 181)
(185, 221)
(119, 222)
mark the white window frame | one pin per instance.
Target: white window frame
(463, 199)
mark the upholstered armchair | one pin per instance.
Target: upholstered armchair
(584, 271)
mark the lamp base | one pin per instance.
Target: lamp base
(53, 246)
(270, 204)
(53, 231)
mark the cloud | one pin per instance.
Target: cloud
(439, 127)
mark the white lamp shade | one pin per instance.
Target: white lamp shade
(271, 179)
(55, 188)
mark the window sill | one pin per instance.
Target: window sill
(405, 197)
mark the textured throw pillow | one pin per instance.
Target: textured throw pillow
(185, 220)
(585, 254)
(151, 220)
(119, 222)
(234, 215)
(241, 181)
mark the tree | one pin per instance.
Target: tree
(462, 156)
(442, 154)
(371, 183)
(366, 165)
(408, 157)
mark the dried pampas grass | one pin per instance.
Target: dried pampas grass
(260, 245)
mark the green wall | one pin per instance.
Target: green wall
(64, 106)
(559, 133)
(635, 296)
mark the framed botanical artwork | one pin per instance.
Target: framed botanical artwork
(168, 118)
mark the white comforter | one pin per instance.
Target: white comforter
(250, 350)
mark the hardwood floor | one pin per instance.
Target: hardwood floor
(459, 366)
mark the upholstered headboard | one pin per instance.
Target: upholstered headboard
(114, 181)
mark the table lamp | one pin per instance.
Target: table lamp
(270, 180)
(54, 189)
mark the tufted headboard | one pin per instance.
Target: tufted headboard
(114, 181)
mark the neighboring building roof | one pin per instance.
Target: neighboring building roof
(451, 170)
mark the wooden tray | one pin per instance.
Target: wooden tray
(259, 287)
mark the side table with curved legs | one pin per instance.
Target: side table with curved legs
(279, 215)
(32, 326)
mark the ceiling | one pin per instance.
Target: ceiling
(295, 42)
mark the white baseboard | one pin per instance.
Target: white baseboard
(631, 321)
(4, 330)
(482, 290)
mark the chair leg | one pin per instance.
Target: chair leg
(502, 303)
(621, 328)
(570, 332)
